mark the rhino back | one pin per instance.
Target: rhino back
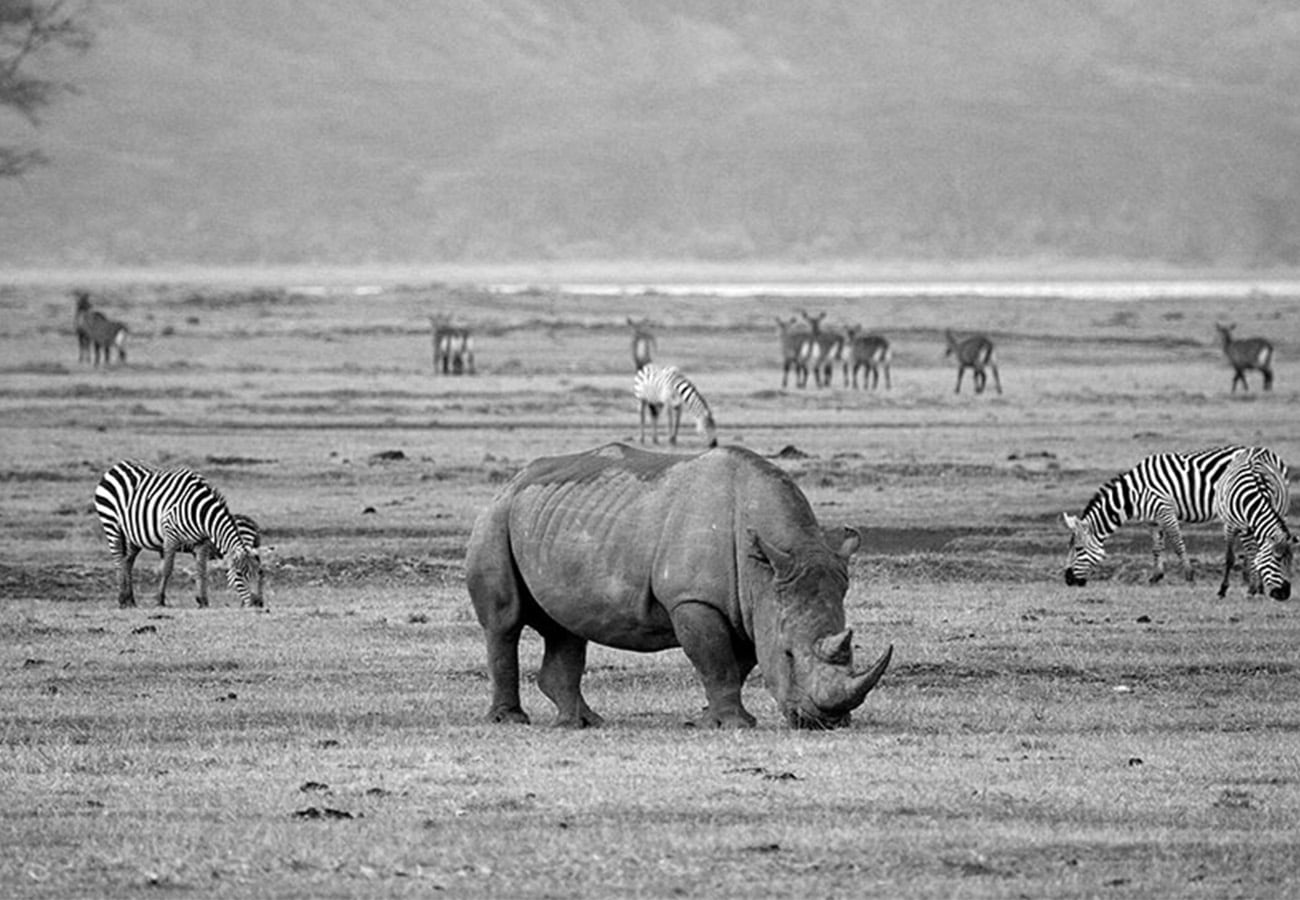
(607, 542)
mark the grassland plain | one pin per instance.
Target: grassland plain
(1119, 740)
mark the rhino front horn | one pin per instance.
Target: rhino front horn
(860, 685)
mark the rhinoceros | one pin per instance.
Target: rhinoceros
(719, 554)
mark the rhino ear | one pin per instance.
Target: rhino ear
(764, 552)
(852, 541)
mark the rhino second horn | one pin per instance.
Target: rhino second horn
(837, 649)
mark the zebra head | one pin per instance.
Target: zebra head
(1273, 565)
(1086, 550)
(244, 573)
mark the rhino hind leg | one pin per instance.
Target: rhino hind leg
(560, 679)
(707, 640)
(498, 599)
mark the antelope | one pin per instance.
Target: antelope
(81, 324)
(870, 353)
(975, 353)
(643, 343)
(827, 349)
(795, 347)
(1247, 354)
(453, 349)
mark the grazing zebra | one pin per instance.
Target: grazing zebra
(664, 387)
(1247, 354)
(1247, 504)
(1163, 489)
(826, 349)
(643, 343)
(251, 534)
(170, 511)
(453, 349)
(796, 347)
(869, 353)
(974, 353)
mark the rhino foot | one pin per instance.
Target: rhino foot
(586, 719)
(509, 716)
(735, 719)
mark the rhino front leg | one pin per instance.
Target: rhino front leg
(706, 638)
(560, 679)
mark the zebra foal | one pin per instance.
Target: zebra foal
(1165, 489)
(659, 388)
(171, 511)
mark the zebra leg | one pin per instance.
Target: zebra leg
(1229, 538)
(1180, 546)
(201, 573)
(1157, 553)
(1268, 377)
(980, 379)
(997, 379)
(674, 423)
(125, 565)
(961, 370)
(168, 561)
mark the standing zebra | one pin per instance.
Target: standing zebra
(1246, 503)
(870, 353)
(795, 349)
(643, 343)
(170, 511)
(1163, 489)
(974, 353)
(664, 387)
(453, 349)
(1247, 354)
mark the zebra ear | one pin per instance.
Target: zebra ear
(1070, 521)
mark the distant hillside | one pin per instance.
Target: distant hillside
(372, 131)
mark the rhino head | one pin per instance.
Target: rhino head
(804, 649)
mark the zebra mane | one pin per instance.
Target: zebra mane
(1096, 504)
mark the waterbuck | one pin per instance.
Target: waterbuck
(974, 353)
(1247, 354)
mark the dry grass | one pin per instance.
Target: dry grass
(1118, 741)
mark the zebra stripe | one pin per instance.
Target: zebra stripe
(170, 511)
(1245, 503)
(1162, 489)
(665, 387)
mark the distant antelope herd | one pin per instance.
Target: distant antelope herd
(808, 348)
